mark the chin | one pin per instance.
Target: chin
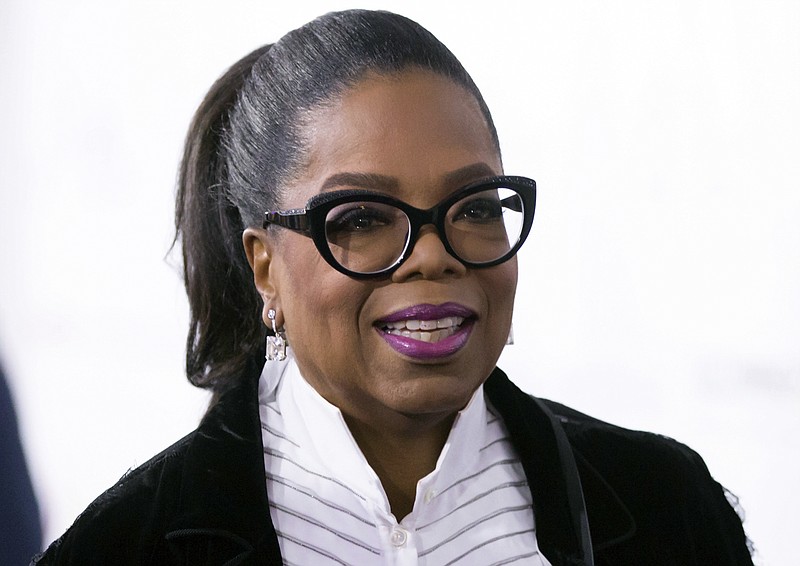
(435, 395)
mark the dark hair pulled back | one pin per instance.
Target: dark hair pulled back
(246, 141)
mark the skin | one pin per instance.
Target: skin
(426, 137)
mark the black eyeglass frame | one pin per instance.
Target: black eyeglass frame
(310, 220)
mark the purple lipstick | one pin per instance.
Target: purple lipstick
(428, 331)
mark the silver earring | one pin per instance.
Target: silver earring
(276, 344)
(510, 339)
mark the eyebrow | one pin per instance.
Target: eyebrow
(468, 174)
(361, 180)
(386, 183)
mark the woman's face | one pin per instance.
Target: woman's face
(420, 137)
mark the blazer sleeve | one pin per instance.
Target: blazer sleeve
(716, 526)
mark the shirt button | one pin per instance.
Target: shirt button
(399, 537)
(429, 495)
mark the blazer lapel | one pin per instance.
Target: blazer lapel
(565, 487)
(609, 519)
(223, 515)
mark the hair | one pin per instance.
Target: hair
(246, 141)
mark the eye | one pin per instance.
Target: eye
(478, 209)
(357, 217)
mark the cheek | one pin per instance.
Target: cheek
(319, 303)
(501, 286)
(501, 290)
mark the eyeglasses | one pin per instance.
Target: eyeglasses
(364, 234)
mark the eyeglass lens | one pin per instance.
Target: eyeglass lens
(368, 237)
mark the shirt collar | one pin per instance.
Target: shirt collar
(320, 429)
(462, 448)
(320, 425)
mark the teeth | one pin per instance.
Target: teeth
(425, 330)
(444, 323)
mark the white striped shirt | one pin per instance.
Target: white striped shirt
(329, 507)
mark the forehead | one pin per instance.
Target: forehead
(415, 128)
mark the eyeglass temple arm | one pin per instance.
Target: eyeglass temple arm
(514, 202)
(294, 219)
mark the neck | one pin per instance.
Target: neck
(402, 457)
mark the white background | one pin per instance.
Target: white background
(660, 288)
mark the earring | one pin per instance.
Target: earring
(276, 344)
(510, 339)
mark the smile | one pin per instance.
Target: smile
(428, 331)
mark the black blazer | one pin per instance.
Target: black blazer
(602, 495)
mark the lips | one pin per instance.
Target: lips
(428, 331)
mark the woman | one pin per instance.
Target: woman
(342, 193)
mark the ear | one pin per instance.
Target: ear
(258, 249)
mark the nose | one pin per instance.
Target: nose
(429, 259)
